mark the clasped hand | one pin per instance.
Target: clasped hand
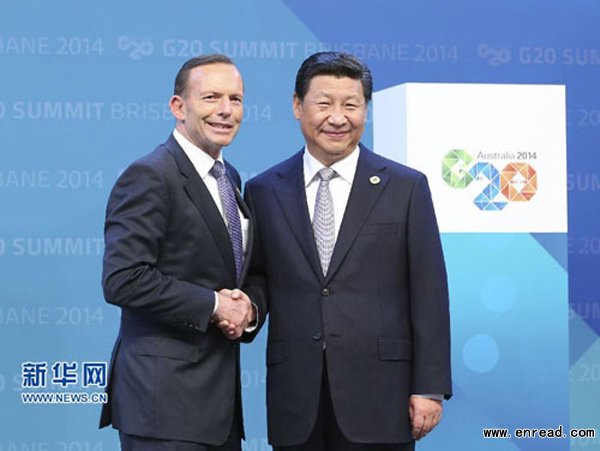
(424, 414)
(234, 313)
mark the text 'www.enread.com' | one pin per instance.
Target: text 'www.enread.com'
(525, 433)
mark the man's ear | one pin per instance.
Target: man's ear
(177, 105)
(297, 106)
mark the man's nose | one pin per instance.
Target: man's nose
(224, 107)
(337, 116)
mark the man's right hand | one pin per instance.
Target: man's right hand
(234, 313)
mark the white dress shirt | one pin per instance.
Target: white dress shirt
(339, 186)
(203, 163)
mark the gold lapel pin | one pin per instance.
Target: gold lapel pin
(374, 180)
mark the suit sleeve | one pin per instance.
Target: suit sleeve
(137, 221)
(428, 297)
(255, 281)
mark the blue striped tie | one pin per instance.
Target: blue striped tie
(231, 212)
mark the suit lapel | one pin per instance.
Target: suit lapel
(363, 195)
(291, 193)
(200, 196)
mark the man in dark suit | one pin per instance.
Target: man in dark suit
(175, 238)
(348, 261)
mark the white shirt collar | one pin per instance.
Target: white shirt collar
(202, 161)
(345, 168)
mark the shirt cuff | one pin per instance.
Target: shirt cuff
(254, 325)
(434, 396)
(216, 303)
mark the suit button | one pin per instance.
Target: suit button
(317, 336)
(325, 292)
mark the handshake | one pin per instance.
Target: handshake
(234, 313)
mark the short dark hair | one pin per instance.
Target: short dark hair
(181, 80)
(333, 63)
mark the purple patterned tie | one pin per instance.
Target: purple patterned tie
(231, 212)
(323, 219)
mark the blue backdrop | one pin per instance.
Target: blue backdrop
(84, 91)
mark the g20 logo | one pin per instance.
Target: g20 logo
(517, 182)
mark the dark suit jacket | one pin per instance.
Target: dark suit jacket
(174, 375)
(382, 309)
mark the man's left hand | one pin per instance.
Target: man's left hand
(425, 414)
